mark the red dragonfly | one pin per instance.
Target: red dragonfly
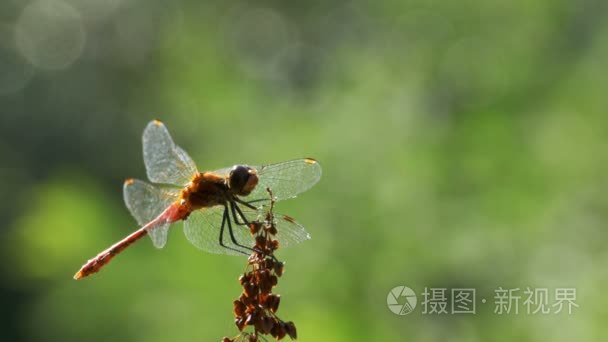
(209, 203)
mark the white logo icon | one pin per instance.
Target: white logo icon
(401, 300)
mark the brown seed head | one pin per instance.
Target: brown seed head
(240, 323)
(260, 242)
(254, 227)
(274, 280)
(290, 329)
(245, 278)
(257, 305)
(239, 308)
(278, 331)
(250, 289)
(266, 325)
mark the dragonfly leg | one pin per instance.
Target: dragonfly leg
(236, 243)
(225, 219)
(248, 204)
(235, 208)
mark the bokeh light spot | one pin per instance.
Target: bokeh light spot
(15, 71)
(50, 34)
(257, 37)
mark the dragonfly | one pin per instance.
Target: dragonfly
(215, 206)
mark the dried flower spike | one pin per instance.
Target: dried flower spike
(257, 305)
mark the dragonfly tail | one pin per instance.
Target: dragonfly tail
(172, 214)
(103, 258)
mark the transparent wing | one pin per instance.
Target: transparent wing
(159, 235)
(289, 232)
(202, 229)
(165, 162)
(287, 180)
(145, 202)
(223, 172)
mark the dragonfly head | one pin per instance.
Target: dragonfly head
(242, 179)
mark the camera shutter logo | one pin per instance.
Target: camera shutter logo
(401, 300)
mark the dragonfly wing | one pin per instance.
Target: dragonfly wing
(202, 229)
(286, 180)
(159, 235)
(289, 232)
(145, 202)
(165, 162)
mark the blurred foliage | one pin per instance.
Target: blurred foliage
(463, 144)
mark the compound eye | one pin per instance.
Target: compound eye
(239, 175)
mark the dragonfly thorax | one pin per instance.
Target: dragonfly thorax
(205, 190)
(208, 189)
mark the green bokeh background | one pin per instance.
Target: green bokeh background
(463, 144)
